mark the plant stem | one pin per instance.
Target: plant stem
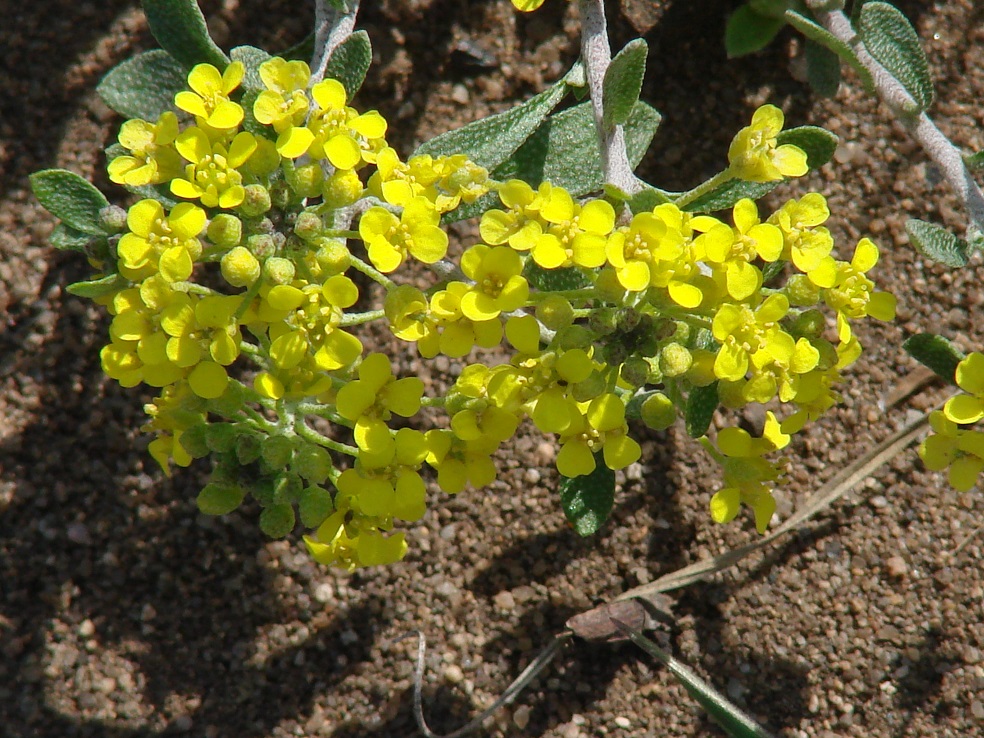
(921, 127)
(371, 272)
(716, 181)
(360, 318)
(597, 56)
(331, 27)
(309, 434)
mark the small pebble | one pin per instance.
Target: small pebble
(78, 533)
(87, 628)
(623, 722)
(977, 709)
(454, 674)
(324, 592)
(459, 93)
(879, 501)
(447, 532)
(521, 717)
(504, 601)
(896, 566)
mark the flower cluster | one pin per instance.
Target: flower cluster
(956, 445)
(277, 220)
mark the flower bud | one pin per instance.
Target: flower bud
(113, 219)
(333, 256)
(225, 230)
(306, 180)
(555, 312)
(602, 321)
(590, 388)
(280, 195)
(574, 336)
(658, 411)
(801, 291)
(308, 225)
(342, 188)
(809, 324)
(256, 202)
(278, 270)
(635, 371)
(262, 246)
(675, 360)
(239, 267)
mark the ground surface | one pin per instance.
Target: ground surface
(125, 613)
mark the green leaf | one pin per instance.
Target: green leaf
(315, 505)
(564, 150)
(179, 27)
(937, 243)
(66, 238)
(144, 86)
(72, 199)
(749, 31)
(219, 499)
(818, 143)
(724, 712)
(350, 62)
(252, 58)
(822, 36)
(98, 287)
(891, 39)
(277, 521)
(725, 196)
(823, 72)
(588, 500)
(701, 404)
(936, 353)
(554, 280)
(491, 141)
(313, 463)
(974, 161)
(623, 82)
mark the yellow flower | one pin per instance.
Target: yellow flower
(954, 448)
(969, 407)
(499, 285)
(755, 155)
(209, 102)
(390, 239)
(153, 158)
(806, 244)
(212, 175)
(460, 462)
(853, 295)
(158, 241)
(601, 428)
(284, 102)
(746, 472)
(744, 333)
(527, 6)
(577, 235)
(371, 400)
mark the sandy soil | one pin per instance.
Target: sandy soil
(125, 613)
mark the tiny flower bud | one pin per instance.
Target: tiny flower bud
(658, 411)
(342, 188)
(278, 270)
(801, 291)
(113, 218)
(256, 202)
(239, 267)
(575, 336)
(306, 180)
(590, 388)
(280, 195)
(262, 246)
(225, 230)
(628, 320)
(308, 225)
(635, 371)
(675, 360)
(555, 313)
(602, 321)
(333, 256)
(809, 324)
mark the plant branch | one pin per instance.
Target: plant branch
(331, 27)
(597, 56)
(921, 127)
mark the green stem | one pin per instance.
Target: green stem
(371, 272)
(248, 295)
(194, 288)
(585, 293)
(360, 318)
(308, 434)
(433, 401)
(702, 189)
(328, 412)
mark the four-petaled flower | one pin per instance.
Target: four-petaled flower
(755, 154)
